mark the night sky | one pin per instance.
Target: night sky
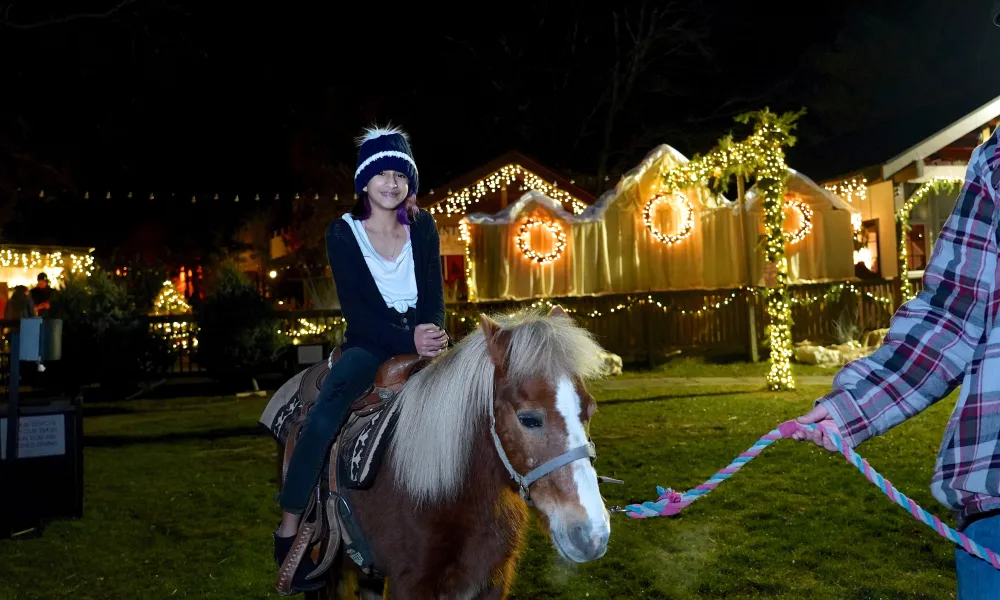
(180, 98)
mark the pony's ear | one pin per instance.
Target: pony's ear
(557, 311)
(497, 341)
(489, 326)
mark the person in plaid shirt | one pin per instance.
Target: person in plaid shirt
(948, 335)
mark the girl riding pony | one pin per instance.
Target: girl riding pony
(386, 260)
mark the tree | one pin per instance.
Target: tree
(238, 330)
(575, 97)
(305, 238)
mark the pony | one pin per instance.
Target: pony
(491, 429)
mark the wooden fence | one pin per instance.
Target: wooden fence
(638, 327)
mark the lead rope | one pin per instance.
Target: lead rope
(669, 502)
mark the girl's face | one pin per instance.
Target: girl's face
(388, 189)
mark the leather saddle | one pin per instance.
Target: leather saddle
(354, 461)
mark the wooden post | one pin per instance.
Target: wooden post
(748, 261)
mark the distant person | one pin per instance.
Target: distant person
(949, 335)
(42, 295)
(20, 305)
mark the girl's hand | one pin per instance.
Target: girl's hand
(429, 339)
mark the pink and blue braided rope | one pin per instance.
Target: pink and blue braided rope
(670, 502)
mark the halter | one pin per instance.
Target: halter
(524, 482)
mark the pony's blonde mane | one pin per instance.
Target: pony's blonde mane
(441, 406)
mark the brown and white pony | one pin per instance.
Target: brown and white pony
(446, 518)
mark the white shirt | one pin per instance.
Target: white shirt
(396, 279)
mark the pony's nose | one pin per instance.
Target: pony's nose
(590, 543)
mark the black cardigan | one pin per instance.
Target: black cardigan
(371, 324)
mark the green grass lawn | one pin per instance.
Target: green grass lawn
(179, 504)
(700, 366)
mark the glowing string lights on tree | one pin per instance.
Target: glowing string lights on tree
(169, 302)
(687, 221)
(524, 245)
(760, 155)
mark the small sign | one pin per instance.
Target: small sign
(38, 436)
(770, 275)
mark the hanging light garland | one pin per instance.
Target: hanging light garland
(805, 220)
(524, 244)
(461, 201)
(833, 292)
(306, 328)
(760, 155)
(853, 190)
(35, 259)
(687, 221)
(936, 186)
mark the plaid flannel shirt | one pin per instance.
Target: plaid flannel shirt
(944, 337)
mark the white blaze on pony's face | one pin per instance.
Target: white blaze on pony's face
(580, 525)
(539, 419)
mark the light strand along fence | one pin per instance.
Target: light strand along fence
(637, 327)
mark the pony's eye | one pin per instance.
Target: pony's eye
(530, 420)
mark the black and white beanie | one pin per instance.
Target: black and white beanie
(382, 148)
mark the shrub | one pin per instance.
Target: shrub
(105, 338)
(238, 329)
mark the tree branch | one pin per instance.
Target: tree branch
(66, 19)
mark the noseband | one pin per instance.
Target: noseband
(524, 482)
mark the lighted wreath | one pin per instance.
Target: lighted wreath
(525, 246)
(806, 225)
(686, 226)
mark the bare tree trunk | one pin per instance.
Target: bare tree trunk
(623, 77)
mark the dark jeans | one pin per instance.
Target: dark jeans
(350, 375)
(977, 579)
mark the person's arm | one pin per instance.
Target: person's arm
(360, 316)
(932, 338)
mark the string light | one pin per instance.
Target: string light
(760, 155)
(307, 328)
(461, 201)
(169, 302)
(35, 259)
(853, 190)
(833, 292)
(937, 185)
(524, 245)
(465, 234)
(805, 218)
(687, 220)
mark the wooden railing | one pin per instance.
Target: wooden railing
(638, 327)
